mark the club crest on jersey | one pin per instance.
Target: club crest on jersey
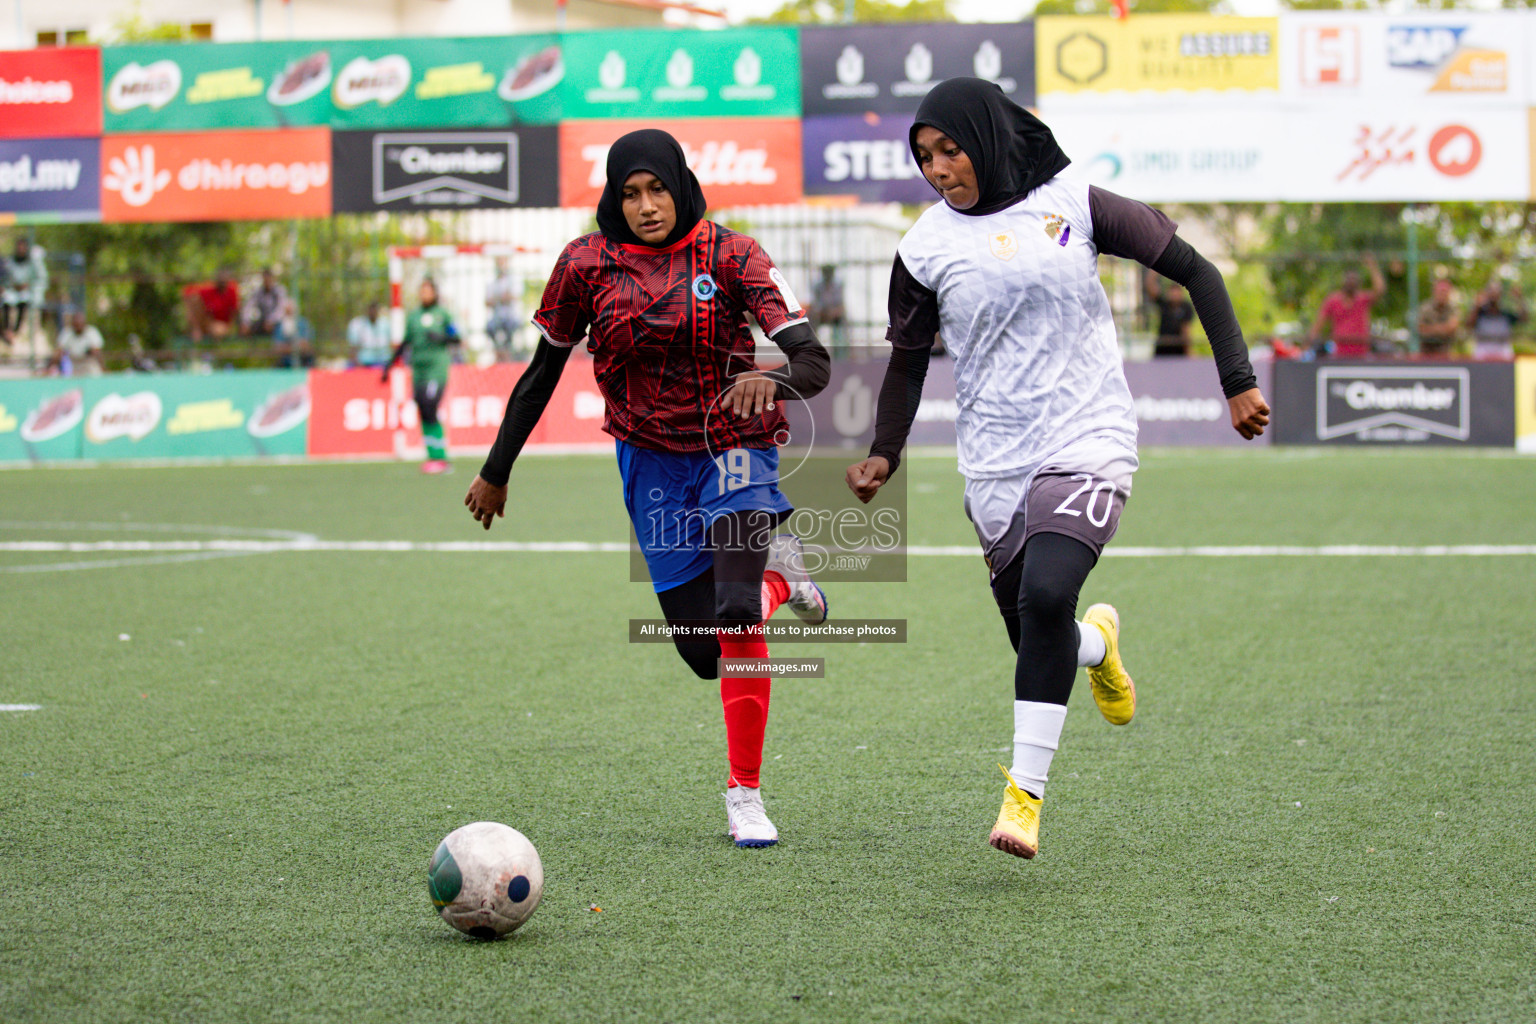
(1058, 229)
(1004, 246)
(704, 287)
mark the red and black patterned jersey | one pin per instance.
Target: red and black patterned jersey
(669, 332)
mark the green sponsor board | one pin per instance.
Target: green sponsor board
(220, 415)
(740, 72)
(41, 420)
(385, 83)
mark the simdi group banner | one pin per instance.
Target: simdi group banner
(739, 162)
(374, 83)
(1148, 55)
(888, 69)
(50, 93)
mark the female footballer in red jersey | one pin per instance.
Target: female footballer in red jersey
(664, 295)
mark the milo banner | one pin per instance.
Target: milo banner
(1150, 54)
(888, 69)
(454, 170)
(735, 72)
(40, 420)
(1394, 403)
(256, 412)
(384, 83)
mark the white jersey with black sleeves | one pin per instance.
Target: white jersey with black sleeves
(1022, 312)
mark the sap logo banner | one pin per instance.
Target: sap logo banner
(1458, 65)
(1457, 404)
(445, 170)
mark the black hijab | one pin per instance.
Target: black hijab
(1012, 150)
(649, 149)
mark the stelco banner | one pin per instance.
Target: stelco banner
(49, 93)
(738, 163)
(888, 69)
(476, 82)
(1157, 53)
(216, 176)
(57, 177)
(1387, 403)
(445, 169)
(864, 156)
(735, 72)
(1455, 58)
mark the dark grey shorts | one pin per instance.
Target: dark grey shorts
(1080, 504)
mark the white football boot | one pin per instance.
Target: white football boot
(786, 556)
(749, 822)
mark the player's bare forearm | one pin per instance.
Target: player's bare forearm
(1250, 413)
(486, 501)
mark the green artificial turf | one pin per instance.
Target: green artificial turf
(1321, 812)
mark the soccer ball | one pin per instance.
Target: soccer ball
(485, 879)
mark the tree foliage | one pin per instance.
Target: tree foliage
(833, 12)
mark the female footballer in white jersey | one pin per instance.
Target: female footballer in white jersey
(1006, 269)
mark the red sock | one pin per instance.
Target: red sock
(775, 593)
(745, 702)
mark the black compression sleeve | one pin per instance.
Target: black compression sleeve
(809, 366)
(524, 408)
(1180, 262)
(900, 393)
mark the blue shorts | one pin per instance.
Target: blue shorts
(674, 497)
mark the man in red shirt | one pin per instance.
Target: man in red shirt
(1348, 311)
(212, 306)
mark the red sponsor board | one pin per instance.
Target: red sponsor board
(353, 413)
(50, 93)
(237, 175)
(739, 162)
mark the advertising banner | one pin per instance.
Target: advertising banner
(1236, 155)
(356, 414)
(1179, 402)
(1394, 403)
(1463, 59)
(40, 420)
(735, 72)
(864, 156)
(437, 83)
(1525, 405)
(738, 163)
(51, 178)
(216, 176)
(1157, 53)
(454, 170)
(888, 69)
(50, 92)
(224, 415)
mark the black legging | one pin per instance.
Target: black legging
(428, 394)
(729, 594)
(1037, 594)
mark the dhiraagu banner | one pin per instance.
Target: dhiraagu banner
(378, 83)
(659, 73)
(219, 415)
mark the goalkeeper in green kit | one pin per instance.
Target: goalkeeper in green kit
(432, 337)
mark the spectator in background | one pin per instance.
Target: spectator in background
(265, 307)
(828, 310)
(368, 337)
(501, 299)
(211, 307)
(1348, 313)
(1174, 315)
(26, 282)
(293, 340)
(1439, 320)
(1498, 310)
(79, 348)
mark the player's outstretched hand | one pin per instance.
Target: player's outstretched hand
(1250, 413)
(486, 501)
(750, 395)
(865, 478)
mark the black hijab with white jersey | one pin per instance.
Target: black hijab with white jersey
(649, 149)
(1011, 149)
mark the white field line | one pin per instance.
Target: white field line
(235, 546)
(21, 707)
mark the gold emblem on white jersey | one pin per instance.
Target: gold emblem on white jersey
(1004, 246)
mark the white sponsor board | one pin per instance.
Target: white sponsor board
(1452, 58)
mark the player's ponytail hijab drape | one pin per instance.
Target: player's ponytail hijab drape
(1011, 149)
(649, 149)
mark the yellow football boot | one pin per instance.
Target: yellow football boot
(1113, 690)
(1018, 824)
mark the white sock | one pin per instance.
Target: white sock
(1091, 649)
(1036, 733)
